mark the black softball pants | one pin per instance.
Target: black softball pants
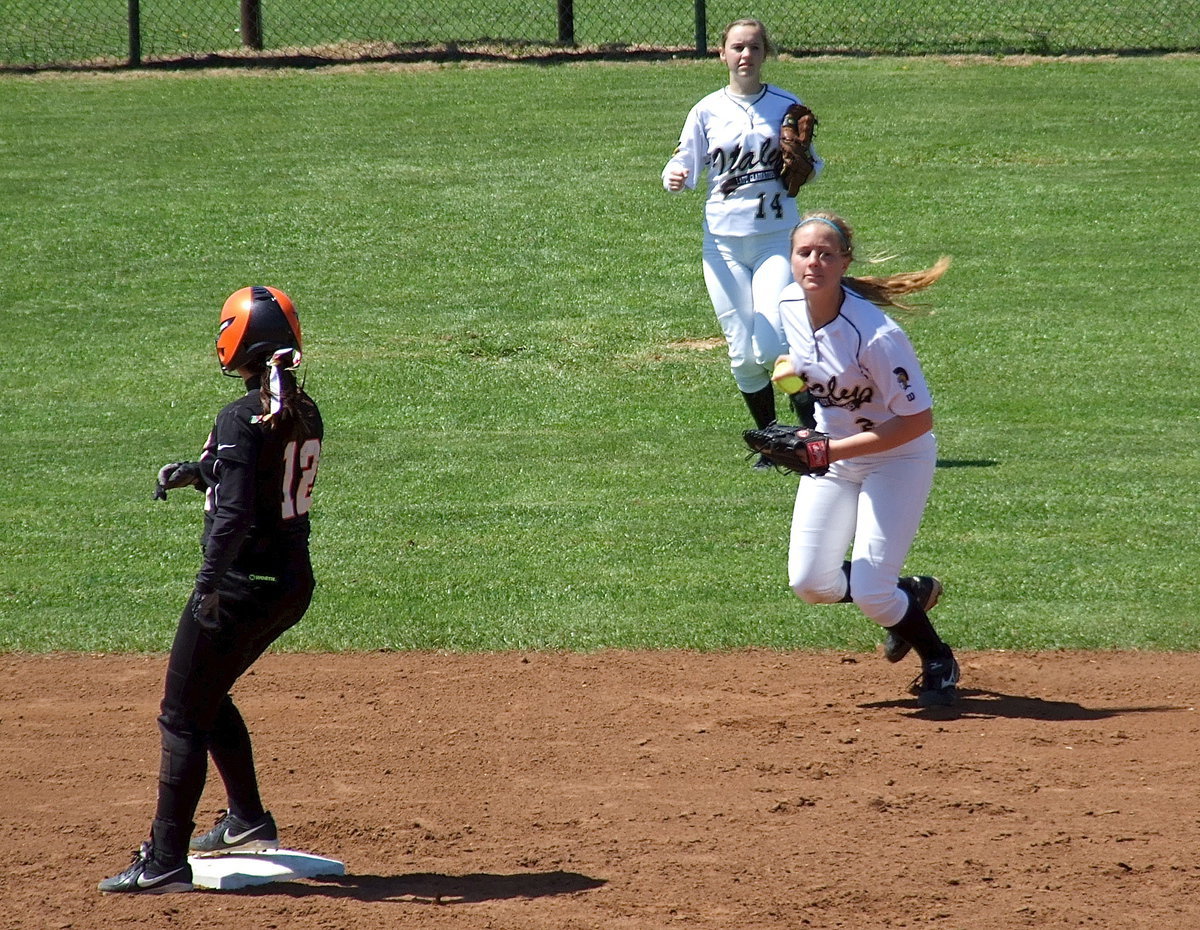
(199, 716)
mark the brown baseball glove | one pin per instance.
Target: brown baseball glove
(795, 143)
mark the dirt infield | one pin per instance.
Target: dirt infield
(634, 791)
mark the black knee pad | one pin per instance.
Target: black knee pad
(183, 752)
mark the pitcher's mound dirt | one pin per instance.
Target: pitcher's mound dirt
(634, 791)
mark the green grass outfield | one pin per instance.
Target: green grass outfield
(532, 442)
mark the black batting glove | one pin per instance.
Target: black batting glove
(206, 609)
(177, 475)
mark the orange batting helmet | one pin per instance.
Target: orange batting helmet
(255, 322)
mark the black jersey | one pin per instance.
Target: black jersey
(258, 480)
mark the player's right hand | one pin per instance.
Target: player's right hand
(179, 475)
(676, 178)
(784, 374)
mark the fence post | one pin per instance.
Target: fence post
(135, 34)
(566, 22)
(701, 30)
(252, 32)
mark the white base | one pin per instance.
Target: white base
(239, 870)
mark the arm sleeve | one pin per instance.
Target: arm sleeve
(230, 498)
(690, 153)
(230, 524)
(893, 364)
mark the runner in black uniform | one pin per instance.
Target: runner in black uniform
(257, 471)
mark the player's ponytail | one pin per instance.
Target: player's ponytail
(282, 396)
(882, 291)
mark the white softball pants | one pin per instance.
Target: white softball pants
(744, 276)
(874, 501)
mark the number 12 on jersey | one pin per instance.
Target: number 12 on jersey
(299, 474)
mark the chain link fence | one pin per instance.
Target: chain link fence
(115, 33)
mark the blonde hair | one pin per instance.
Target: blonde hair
(768, 45)
(881, 291)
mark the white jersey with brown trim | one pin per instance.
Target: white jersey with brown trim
(735, 139)
(860, 367)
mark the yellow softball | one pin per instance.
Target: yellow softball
(785, 376)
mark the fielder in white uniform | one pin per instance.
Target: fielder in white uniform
(733, 134)
(873, 402)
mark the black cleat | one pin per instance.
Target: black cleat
(936, 686)
(145, 876)
(232, 834)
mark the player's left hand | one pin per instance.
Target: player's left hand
(206, 609)
(801, 451)
(795, 143)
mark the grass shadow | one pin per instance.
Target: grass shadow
(967, 463)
